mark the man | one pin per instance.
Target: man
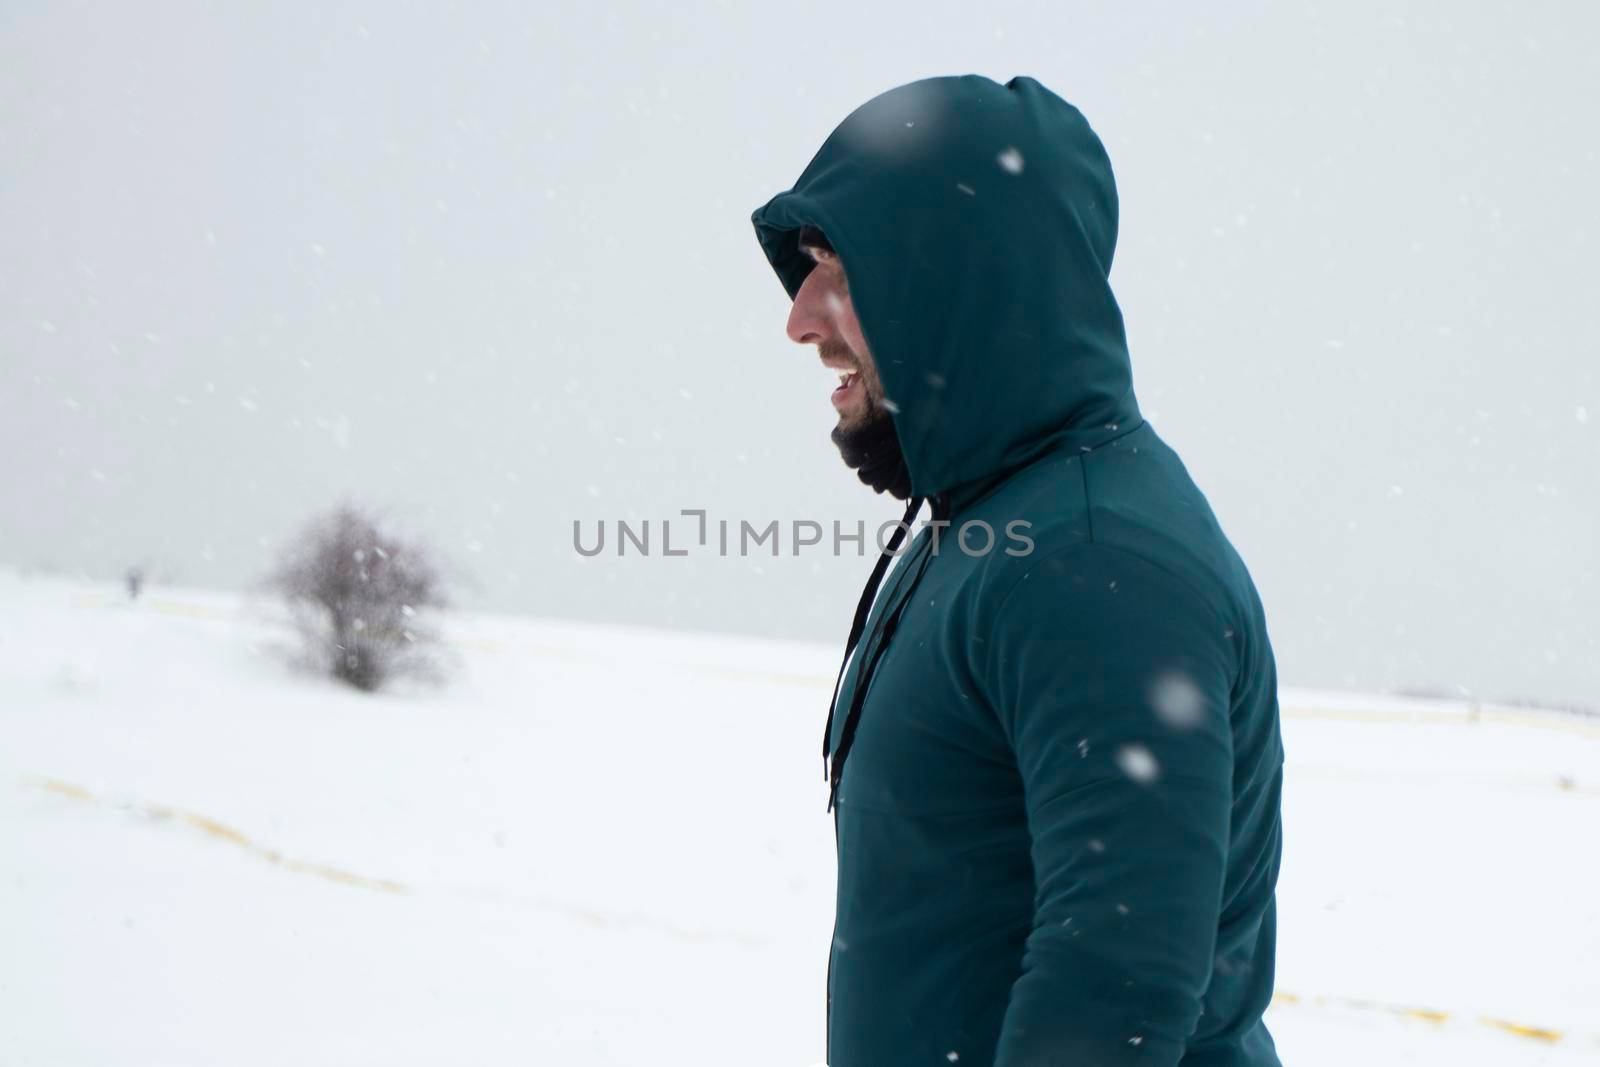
(1056, 758)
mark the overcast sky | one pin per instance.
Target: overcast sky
(489, 267)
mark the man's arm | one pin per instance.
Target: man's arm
(1111, 678)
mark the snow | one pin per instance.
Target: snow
(1011, 160)
(1138, 763)
(607, 845)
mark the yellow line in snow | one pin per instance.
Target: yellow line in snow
(1434, 1016)
(1537, 1033)
(219, 831)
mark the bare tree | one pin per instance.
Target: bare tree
(360, 596)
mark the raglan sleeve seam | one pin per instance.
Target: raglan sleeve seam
(1015, 584)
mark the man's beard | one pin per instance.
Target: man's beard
(872, 449)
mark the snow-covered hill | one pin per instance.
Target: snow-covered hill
(602, 845)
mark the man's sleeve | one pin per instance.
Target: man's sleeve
(1111, 678)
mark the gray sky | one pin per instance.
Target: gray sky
(490, 268)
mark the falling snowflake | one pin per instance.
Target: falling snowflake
(1177, 700)
(1011, 160)
(1137, 763)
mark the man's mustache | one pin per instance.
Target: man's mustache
(838, 350)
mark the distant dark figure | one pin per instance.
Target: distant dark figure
(135, 580)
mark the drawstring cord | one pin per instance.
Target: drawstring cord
(863, 608)
(835, 773)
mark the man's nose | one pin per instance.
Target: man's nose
(809, 320)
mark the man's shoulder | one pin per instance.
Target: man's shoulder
(1128, 492)
(1064, 539)
(1130, 501)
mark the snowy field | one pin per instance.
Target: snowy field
(602, 845)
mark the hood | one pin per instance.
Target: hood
(975, 223)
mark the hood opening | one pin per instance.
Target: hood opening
(976, 224)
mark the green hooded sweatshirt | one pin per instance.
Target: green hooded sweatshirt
(1058, 824)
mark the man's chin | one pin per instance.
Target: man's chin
(850, 424)
(861, 428)
(869, 446)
